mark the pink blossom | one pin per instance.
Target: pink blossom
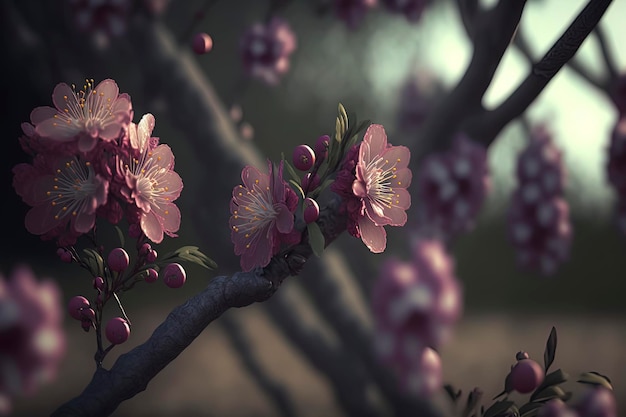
(453, 186)
(86, 115)
(151, 183)
(411, 9)
(32, 341)
(266, 48)
(374, 188)
(69, 194)
(423, 378)
(109, 17)
(262, 216)
(353, 11)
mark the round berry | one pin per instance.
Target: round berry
(236, 113)
(311, 210)
(555, 408)
(118, 260)
(151, 256)
(526, 375)
(321, 147)
(64, 255)
(310, 182)
(144, 249)
(151, 275)
(174, 275)
(246, 131)
(76, 306)
(117, 330)
(98, 283)
(598, 401)
(303, 157)
(202, 43)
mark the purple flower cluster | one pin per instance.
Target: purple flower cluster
(415, 305)
(266, 48)
(108, 17)
(411, 9)
(616, 170)
(453, 186)
(538, 218)
(89, 161)
(32, 341)
(352, 12)
(417, 96)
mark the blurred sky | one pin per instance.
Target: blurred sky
(580, 116)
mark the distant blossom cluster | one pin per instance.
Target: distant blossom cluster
(453, 186)
(90, 161)
(416, 99)
(352, 12)
(616, 170)
(538, 217)
(266, 48)
(415, 306)
(32, 339)
(411, 9)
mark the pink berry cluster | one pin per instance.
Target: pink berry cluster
(616, 170)
(32, 339)
(453, 186)
(538, 217)
(415, 306)
(118, 276)
(266, 49)
(89, 160)
(309, 160)
(201, 43)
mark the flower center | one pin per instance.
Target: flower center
(378, 181)
(256, 207)
(74, 186)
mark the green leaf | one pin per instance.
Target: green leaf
(298, 188)
(595, 378)
(550, 352)
(95, 261)
(473, 399)
(498, 407)
(189, 254)
(530, 409)
(548, 393)
(553, 378)
(316, 238)
(120, 235)
(313, 194)
(292, 172)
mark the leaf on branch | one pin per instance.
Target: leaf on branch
(553, 378)
(94, 261)
(507, 387)
(292, 172)
(189, 254)
(595, 378)
(548, 393)
(499, 407)
(452, 392)
(473, 399)
(530, 409)
(550, 352)
(316, 238)
(298, 188)
(120, 235)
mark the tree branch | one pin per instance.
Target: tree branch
(484, 127)
(609, 59)
(133, 370)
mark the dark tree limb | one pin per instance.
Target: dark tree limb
(485, 126)
(607, 55)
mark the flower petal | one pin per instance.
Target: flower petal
(62, 95)
(83, 221)
(57, 130)
(284, 218)
(151, 227)
(163, 156)
(39, 114)
(169, 217)
(40, 219)
(376, 140)
(403, 178)
(251, 176)
(398, 155)
(374, 237)
(144, 131)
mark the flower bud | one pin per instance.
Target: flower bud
(174, 275)
(117, 330)
(151, 256)
(98, 283)
(118, 260)
(526, 375)
(309, 184)
(321, 147)
(311, 210)
(151, 275)
(303, 157)
(76, 305)
(202, 43)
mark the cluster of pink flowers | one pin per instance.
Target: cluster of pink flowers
(89, 161)
(373, 182)
(411, 9)
(453, 186)
(415, 306)
(266, 49)
(32, 341)
(108, 17)
(262, 216)
(538, 218)
(352, 12)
